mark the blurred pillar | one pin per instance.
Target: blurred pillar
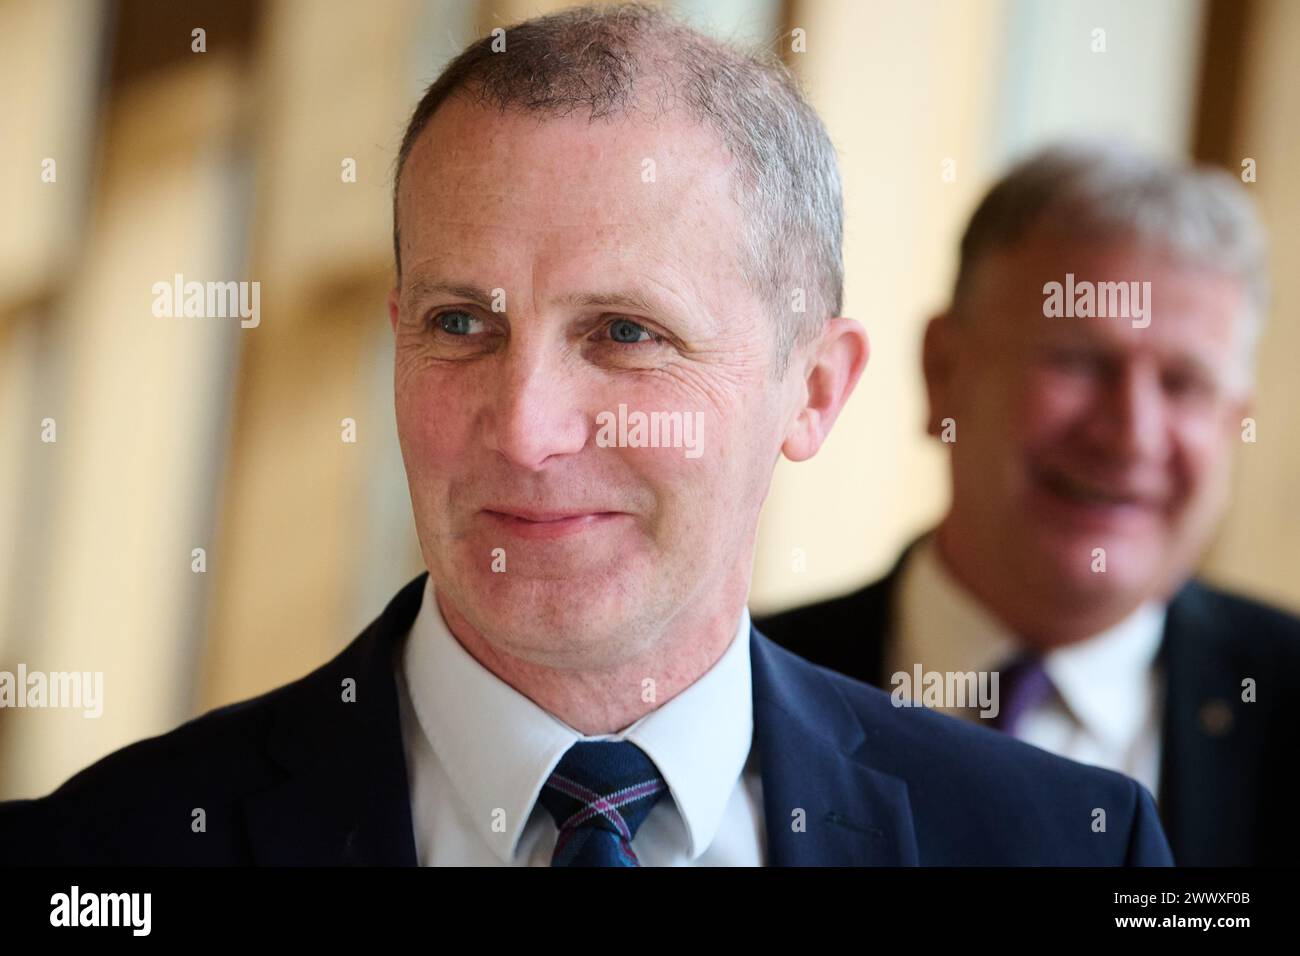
(139, 415)
(299, 551)
(907, 92)
(1257, 550)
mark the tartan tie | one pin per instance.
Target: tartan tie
(599, 794)
(1023, 684)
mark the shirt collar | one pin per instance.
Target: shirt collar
(498, 747)
(1103, 680)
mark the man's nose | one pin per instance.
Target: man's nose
(535, 414)
(1130, 421)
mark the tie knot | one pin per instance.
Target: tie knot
(1023, 683)
(599, 795)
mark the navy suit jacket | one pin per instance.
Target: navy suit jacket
(1223, 801)
(299, 776)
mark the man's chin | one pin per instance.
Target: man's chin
(573, 636)
(549, 613)
(504, 560)
(1097, 569)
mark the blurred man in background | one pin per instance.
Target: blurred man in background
(1091, 379)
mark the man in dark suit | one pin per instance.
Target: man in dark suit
(1089, 456)
(301, 776)
(593, 382)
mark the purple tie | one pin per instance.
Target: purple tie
(1022, 685)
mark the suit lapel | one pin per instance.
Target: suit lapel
(1211, 754)
(823, 804)
(345, 798)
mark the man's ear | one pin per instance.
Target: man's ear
(838, 358)
(392, 308)
(938, 354)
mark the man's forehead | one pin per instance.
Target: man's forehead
(1040, 258)
(573, 169)
(626, 212)
(1021, 272)
(1187, 312)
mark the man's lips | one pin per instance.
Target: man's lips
(1097, 497)
(533, 523)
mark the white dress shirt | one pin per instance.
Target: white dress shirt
(478, 753)
(1106, 710)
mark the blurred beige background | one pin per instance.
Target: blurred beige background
(180, 434)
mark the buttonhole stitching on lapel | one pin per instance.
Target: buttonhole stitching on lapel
(840, 820)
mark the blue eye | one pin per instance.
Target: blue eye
(628, 333)
(456, 322)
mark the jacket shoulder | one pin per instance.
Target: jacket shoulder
(141, 802)
(1241, 620)
(842, 633)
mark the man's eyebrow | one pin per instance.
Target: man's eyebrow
(632, 299)
(427, 286)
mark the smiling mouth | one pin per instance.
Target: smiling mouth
(1097, 495)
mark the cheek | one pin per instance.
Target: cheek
(682, 470)
(681, 488)
(432, 429)
(722, 471)
(1203, 448)
(1003, 413)
(1049, 408)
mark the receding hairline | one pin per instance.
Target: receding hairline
(465, 98)
(1081, 190)
(614, 60)
(650, 64)
(470, 94)
(1050, 233)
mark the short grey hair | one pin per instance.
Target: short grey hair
(1103, 191)
(598, 59)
